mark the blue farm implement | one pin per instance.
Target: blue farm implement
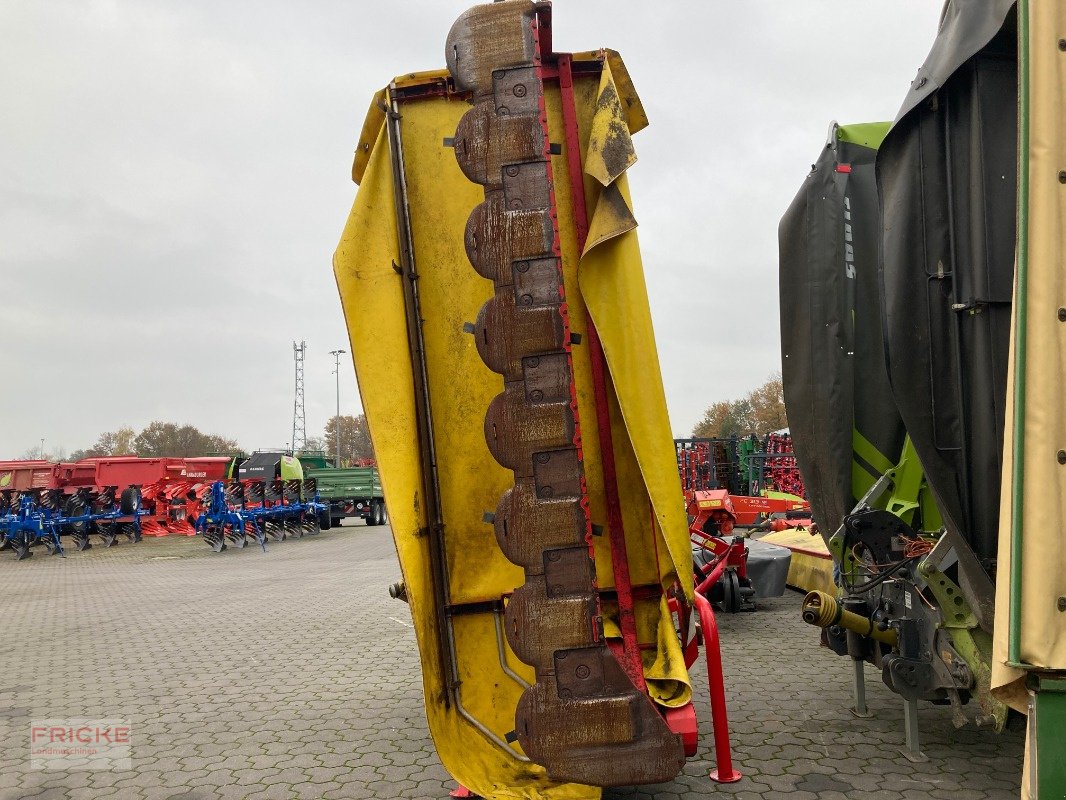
(238, 511)
(39, 517)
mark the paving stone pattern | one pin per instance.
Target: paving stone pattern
(292, 674)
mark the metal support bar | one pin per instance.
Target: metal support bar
(859, 687)
(913, 751)
(424, 414)
(723, 771)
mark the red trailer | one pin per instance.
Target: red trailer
(165, 487)
(164, 483)
(25, 475)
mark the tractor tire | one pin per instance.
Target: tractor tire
(384, 513)
(335, 522)
(731, 601)
(130, 500)
(75, 506)
(325, 521)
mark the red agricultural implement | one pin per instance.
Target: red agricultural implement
(715, 473)
(165, 492)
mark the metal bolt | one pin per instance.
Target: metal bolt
(543, 458)
(519, 90)
(1062, 315)
(536, 395)
(582, 672)
(512, 171)
(1062, 456)
(1061, 604)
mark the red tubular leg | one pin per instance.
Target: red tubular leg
(723, 771)
(714, 575)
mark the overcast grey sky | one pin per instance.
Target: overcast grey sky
(175, 175)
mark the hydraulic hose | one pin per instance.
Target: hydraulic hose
(822, 610)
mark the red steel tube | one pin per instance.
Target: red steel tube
(715, 574)
(723, 771)
(631, 661)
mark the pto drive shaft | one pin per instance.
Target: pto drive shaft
(823, 610)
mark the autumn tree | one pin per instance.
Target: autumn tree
(354, 439)
(110, 443)
(161, 439)
(760, 411)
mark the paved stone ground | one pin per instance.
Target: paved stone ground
(292, 674)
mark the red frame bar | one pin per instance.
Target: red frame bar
(723, 771)
(631, 661)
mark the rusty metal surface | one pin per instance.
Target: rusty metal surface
(584, 720)
(494, 238)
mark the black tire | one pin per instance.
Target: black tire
(384, 513)
(75, 506)
(325, 521)
(130, 500)
(334, 522)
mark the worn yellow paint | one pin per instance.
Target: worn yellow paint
(461, 388)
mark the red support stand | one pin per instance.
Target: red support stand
(723, 771)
